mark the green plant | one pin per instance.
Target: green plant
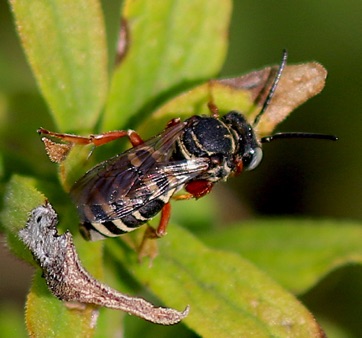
(66, 46)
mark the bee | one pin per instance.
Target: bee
(124, 192)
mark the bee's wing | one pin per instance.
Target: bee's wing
(160, 180)
(120, 185)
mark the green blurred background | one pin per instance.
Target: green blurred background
(297, 177)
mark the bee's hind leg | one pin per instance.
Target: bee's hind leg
(148, 246)
(95, 139)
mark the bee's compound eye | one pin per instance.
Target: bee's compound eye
(252, 159)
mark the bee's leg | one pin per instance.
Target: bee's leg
(96, 139)
(162, 226)
(110, 136)
(148, 247)
(165, 218)
(195, 189)
(199, 188)
(214, 110)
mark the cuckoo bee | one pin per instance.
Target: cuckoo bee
(124, 192)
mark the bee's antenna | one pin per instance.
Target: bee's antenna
(273, 87)
(298, 135)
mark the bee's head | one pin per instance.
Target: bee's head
(248, 149)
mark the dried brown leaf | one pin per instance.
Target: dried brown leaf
(70, 282)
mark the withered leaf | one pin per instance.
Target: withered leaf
(57, 152)
(297, 84)
(246, 94)
(70, 282)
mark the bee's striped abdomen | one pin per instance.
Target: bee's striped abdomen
(95, 230)
(111, 208)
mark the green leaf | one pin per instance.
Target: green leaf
(109, 322)
(46, 316)
(66, 48)
(21, 196)
(168, 42)
(74, 165)
(228, 296)
(296, 253)
(11, 321)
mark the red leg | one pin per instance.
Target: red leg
(98, 139)
(165, 218)
(195, 189)
(199, 188)
(110, 136)
(147, 247)
(162, 226)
